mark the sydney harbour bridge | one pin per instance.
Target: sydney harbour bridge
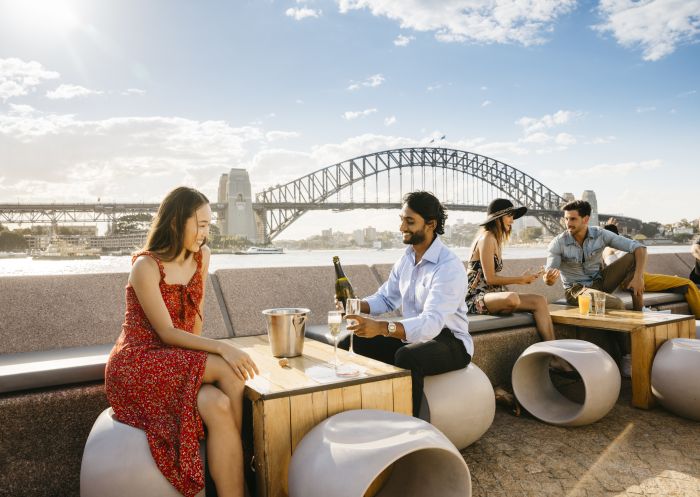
(464, 181)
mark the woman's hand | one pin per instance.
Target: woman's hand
(240, 361)
(528, 278)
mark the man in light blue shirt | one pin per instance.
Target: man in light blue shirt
(429, 283)
(577, 255)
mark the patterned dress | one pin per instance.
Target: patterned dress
(477, 287)
(153, 386)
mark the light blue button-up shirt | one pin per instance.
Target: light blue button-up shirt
(431, 294)
(584, 264)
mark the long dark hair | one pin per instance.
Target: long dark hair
(167, 234)
(498, 228)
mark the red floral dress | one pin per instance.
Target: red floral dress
(154, 386)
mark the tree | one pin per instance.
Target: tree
(649, 229)
(531, 233)
(12, 241)
(132, 223)
(2, 228)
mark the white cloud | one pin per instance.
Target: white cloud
(658, 27)
(302, 13)
(66, 92)
(484, 88)
(538, 137)
(281, 135)
(604, 170)
(687, 93)
(133, 91)
(434, 87)
(642, 110)
(110, 157)
(19, 77)
(486, 103)
(600, 140)
(388, 121)
(477, 21)
(565, 139)
(371, 82)
(402, 41)
(349, 115)
(532, 124)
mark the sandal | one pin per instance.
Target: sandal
(507, 400)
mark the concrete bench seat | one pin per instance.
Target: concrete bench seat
(29, 370)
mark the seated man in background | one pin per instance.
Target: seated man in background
(657, 282)
(695, 272)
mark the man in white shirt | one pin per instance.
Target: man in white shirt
(429, 283)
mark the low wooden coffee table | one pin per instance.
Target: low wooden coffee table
(289, 401)
(647, 330)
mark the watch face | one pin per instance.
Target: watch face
(391, 328)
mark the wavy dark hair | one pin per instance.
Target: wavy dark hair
(167, 234)
(581, 206)
(498, 228)
(429, 207)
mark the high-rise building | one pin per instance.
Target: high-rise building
(589, 196)
(370, 233)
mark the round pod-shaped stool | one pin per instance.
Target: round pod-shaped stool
(343, 455)
(117, 461)
(534, 390)
(460, 404)
(674, 377)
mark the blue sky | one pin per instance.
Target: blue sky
(124, 100)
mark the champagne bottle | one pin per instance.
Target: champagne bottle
(343, 288)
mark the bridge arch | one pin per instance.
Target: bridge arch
(279, 206)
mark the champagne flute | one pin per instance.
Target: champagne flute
(352, 307)
(335, 318)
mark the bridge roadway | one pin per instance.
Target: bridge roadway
(45, 213)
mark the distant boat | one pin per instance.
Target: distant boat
(261, 250)
(58, 250)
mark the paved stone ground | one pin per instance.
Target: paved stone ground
(630, 452)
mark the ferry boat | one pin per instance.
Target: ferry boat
(58, 250)
(262, 250)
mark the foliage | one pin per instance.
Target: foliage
(132, 223)
(649, 229)
(12, 241)
(531, 233)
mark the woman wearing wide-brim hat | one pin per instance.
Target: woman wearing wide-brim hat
(487, 293)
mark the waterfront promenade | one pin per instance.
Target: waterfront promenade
(630, 452)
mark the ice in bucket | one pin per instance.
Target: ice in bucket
(285, 329)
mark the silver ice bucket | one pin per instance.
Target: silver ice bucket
(285, 329)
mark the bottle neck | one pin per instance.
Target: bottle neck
(339, 270)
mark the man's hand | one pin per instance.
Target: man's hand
(636, 284)
(365, 327)
(550, 276)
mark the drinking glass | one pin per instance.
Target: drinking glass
(335, 318)
(352, 307)
(599, 303)
(584, 304)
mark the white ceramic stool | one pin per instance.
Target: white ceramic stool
(460, 404)
(675, 374)
(534, 390)
(117, 461)
(344, 454)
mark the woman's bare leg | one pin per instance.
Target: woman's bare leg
(537, 304)
(224, 448)
(501, 302)
(220, 403)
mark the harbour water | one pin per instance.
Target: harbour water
(117, 264)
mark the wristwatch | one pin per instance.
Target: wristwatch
(391, 328)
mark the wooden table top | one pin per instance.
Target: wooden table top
(612, 319)
(308, 372)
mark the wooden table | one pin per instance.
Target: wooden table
(647, 330)
(288, 401)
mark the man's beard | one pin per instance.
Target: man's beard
(415, 238)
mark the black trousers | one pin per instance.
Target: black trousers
(443, 353)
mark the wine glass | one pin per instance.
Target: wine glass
(335, 318)
(352, 306)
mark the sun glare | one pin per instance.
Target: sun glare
(43, 15)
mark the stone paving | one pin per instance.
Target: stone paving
(630, 452)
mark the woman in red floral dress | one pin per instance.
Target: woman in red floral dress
(162, 376)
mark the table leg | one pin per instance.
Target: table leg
(643, 349)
